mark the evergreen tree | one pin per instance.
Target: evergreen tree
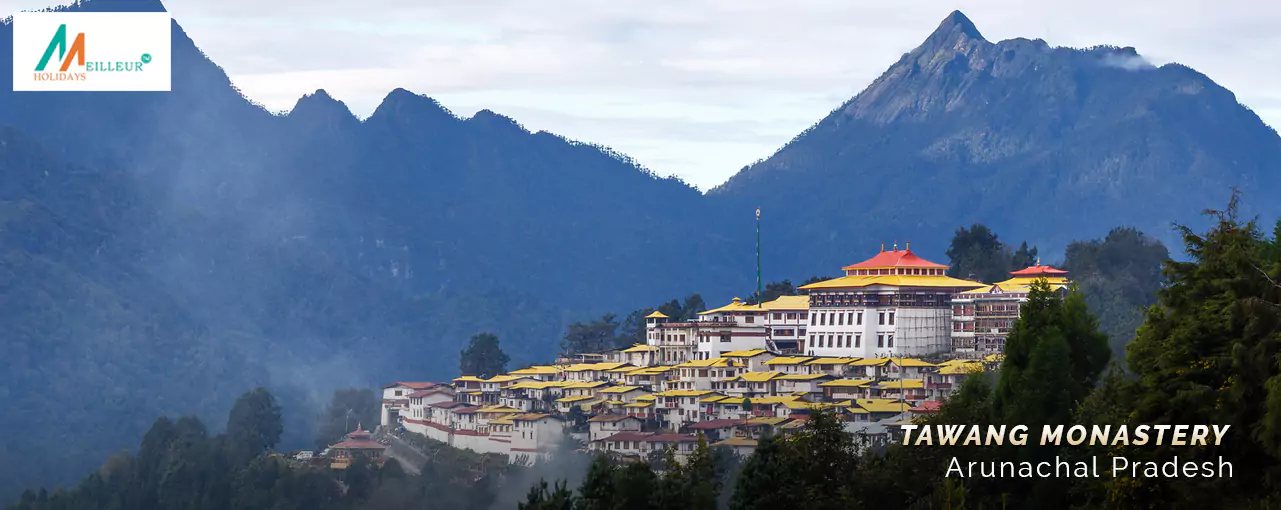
(766, 481)
(483, 357)
(634, 486)
(597, 490)
(254, 425)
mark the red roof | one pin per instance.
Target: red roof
(673, 438)
(1038, 270)
(448, 404)
(929, 406)
(431, 391)
(358, 444)
(895, 258)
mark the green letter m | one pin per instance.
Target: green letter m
(59, 43)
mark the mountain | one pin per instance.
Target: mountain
(166, 251)
(1039, 143)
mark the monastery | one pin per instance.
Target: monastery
(881, 345)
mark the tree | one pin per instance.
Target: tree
(634, 486)
(1053, 355)
(765, 482)
(1119, 276)
(597, 490)
(594, 337)
(254, 425)
(772, 291)
(1023, 257)
(1207, 353)
(977, 254)
(540, 498)
(483, 357)
(347, 408)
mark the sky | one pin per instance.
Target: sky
(693, 88)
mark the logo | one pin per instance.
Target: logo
(91, 52)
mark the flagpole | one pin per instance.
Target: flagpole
(759, 297)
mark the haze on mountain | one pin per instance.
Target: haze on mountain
(166, 251)
(1039, 143)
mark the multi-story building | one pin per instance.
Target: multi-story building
(786, 319)
(891, 305)
(982, 317)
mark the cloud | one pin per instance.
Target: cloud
(675, 65)
(1127, 62)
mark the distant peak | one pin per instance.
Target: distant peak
(320, 103)
(490, 118)
(405, 104)
(955, 26)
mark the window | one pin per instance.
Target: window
(778, 316)
(880, 318)
(840, 319)
(750, 319)
(891, 318)
(890, 340)
(831, 318)
(860, 318)
(802, 333)
(880, 341)
(822, 319)
(791, 316)
(829, 341)
(724, 337)
(398, 393)
(813, 318)
(858, 341)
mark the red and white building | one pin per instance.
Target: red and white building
(892, 305)
(982, 317)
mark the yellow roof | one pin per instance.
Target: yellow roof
(535, 370)
(737, 305)
(581, 367)
(831, 361)
(756, 376)
(713, 398)
(683, 393)
(615, 402)
(736, 441)
(961, 368)
(503, 378)
(656, 315)
(625, 370)
(847, 383)
(585, 385)
(579, 398)
(882, 405)
(801, 404)
(801, 377)
(994, 357)
(650, 370)
(907, 384)
(848, 282)
(712, 362)
(641, 348)
(857, 410)
(736, 401)
(870, 362)
(498, 409)
(744, 354)
(620, 389)
(766, 420)
(789, 360)
(912, 362)
(1022, 285)
(502, 421)
(788, 303)
(645, 398)
(468, 378)
(535, 385)
(639, 404)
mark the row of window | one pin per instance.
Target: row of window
(883, 340)
(878, 299)
(853, 318)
